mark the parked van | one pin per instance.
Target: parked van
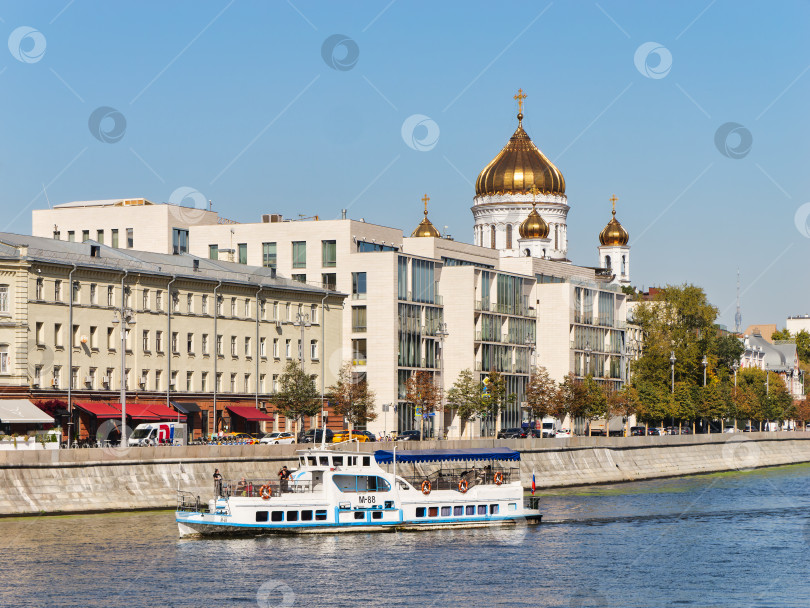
(159, 433)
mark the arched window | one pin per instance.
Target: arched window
(527, 253)
(607, 261)
(492, 236)
(509, 236)
(624, 265)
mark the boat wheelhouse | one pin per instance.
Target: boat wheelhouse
(335, 490)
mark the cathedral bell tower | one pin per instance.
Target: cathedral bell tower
(614, 252)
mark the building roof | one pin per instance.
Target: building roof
(778, 357)
(40, 249)
(109, 202)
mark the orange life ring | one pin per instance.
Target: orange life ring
(266, 492)
(498, 478)
(463, 486)
(425, 487)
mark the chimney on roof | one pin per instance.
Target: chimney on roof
(196, 265)
(343, 213)
(95, 251)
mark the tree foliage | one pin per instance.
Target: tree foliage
(351, 397)
(297, 395)
(465, 395)
(541, 394)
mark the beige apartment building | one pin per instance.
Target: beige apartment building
(207, 339)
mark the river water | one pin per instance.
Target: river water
(726, 540)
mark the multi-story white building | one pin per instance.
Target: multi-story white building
(505, 303)
(209, 338)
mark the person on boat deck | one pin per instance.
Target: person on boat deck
(242, 486)
(284, 476)
(217, 482)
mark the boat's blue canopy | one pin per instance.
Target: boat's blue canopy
(387, 456)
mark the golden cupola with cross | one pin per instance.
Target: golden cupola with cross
(521, 192)
(614, 252)
(425, 227)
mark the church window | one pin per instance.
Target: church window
(509, 236)
(624, 265)
(492, 236)
(607, 261)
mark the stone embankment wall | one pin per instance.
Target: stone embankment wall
(87, 480)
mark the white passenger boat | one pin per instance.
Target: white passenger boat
(336, 490)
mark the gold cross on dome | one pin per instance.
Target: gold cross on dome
(613, 200)
(425, 200)
(534, 192)
(520, 97)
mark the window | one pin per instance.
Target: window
(114, 238)
(40, 333)
(213, 252)
(247, 383)
(482, 509)
(329, 253)
(175, 347)
(159, 341)
(320, 515)
(262, 347)
(204, 305)
(204, 345)
(277, 516)
(4, 359)
(306, 515)
(204, 382)
(358, 286)
(57, 376)
(288, 348)
(233, 383)
(219, 306)
(127, 296)
(159, 299)
(3, 298)
(288, 310)
(57, 290)
(420, 511)
(247, 308)
(313, 350)
(93, 337)
(220, 352)
(492, 237)
(100, 236)
(109, 378)
(130, 238)
(40, 288)
(145, 303)
(275, 383)
(269, 255)
(275, 348)
(493, 509)
(75, 337)
(446, 511)
(56, 235)
(313, 313)
(233, 307)
(458, 510)
(233, 346)
(509, 236)
(127, 343)
(242, 249)
(173, 381)
(110, 338)
(71, 236)
(175, 301)
(85, 236)
(190, 303)
(110, 295)
(145, 341)
(37, 375)
(275, 311)
(298, 354)
(158, 382)
(189, 381)
(329, 281)
(93, 294)
(433, 511)
(470, 510)
(359, 515)
(301, 278)
(262, 382)
(359, 352)
(77, 292)
(219, 382)
(359, 318)
(190, 343)
(247, 347)
(179, 240)
(261, 515)
(263, 309)
(299, 254)
(57, 335)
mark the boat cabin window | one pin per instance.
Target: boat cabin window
(277, 516)
(420, 511)
(313, 461)
(361, 483)
(337, 461)
(403, 485)
(376, 515)
(470, 510)
(320, 515)
(482, 509)
(366, 461)
(493, 509)
(359, 515)
(433, 511)
(458, 510)
(513, 506)
(306, 515)
(445, 511)
(261, 515)
(324, 461)
(292, 515)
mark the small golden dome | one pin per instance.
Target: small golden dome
(425, 227)
(614, 233)
(534, 226)
(519, 166)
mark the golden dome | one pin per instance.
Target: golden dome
(519, 166)
(425, 227)
(614, 233)
(534, 226)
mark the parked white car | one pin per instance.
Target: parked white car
(563, 433)
(277, 438)
(729, 429)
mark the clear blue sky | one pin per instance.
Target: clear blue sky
(235, 100)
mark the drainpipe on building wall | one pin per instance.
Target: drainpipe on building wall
(323, 356)
(216, 355)
(70, 355)
(169, 340)
(123, 397)
(258, 291)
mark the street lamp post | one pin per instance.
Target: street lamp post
(672, 365)
(442, 333)
(587, 371)
(705, 364)
(735, 366)
(302, 321)
(530, 343)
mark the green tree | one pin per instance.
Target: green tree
(421, 390)
(297, 395)
(351, 397)
(541, 394)
(781, 334)
(571, 399)
(494, 398)
(655, 403)
(728, 350)
(466, 396)
(625, 401)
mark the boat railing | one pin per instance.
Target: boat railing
(186, 501)
(252, 488)
(531, 502)
(450, 479)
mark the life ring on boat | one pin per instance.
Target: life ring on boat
(463, 486)
(498, 478)
(425, 487)
(266, 492)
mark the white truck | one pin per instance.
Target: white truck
(159, 433)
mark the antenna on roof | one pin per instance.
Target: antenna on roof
(209, 204)
(46, 196)
(738, 314)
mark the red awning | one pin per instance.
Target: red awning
(137, 411)
(102, 411)
(250, 414)
(165, 413)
